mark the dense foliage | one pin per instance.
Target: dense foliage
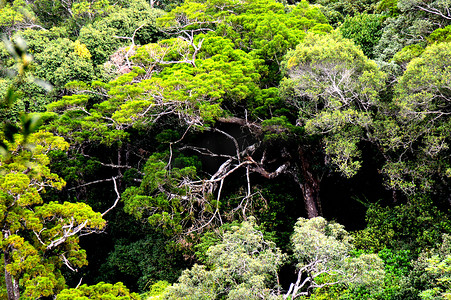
(225, 149)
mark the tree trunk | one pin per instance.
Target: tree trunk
(310, 186)
(310, 200)
(394, 196)
(12, 287)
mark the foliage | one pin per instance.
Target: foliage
(137, 100)
(417, 19)
(198, 75)
(142, 96)
(262, 28)
(436, 269)
(412, 226)
(392, 39)
(334, 87)
(157, 290)
(422, 98)
(388, 6)
(34, 262)
(106, 35)
(37, 40)
(406, 54)
(440, 35)
(99, 291)
(212, 238)
(38, 237)
(364, 29)
(242, 265)
(63, 61)
(14, 15)
(271, 34)
(14, 119)
(73, 14)
(86, 11)
(396, 262)
(322, 250)
(432, 10)
(143, 262)
(161, 197)
(51, 13)
(281, 215)
(337, 10)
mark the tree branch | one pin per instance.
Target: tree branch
(94, 182)
(117, 199)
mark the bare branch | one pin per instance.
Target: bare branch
(242, 122)
(179, 140)
(79, 283)
(132, 46)
(38, 235)
(67, 234)
(269, 175)
(94, 182)
(205, 151)
(435, 11)
(67, 263)
(117, 199)
(235, 142)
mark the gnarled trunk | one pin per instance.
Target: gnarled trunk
(310, 200)
(310, 186)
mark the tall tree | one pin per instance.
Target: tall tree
(37, 238)
(413, 22)
(418, 143)
(199, 79)
(241, 265)
(335, 87)
(322, 250)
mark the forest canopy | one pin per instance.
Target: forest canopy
(225, 149)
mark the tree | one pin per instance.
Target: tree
(195, 79)
(71, 13)
(441, 35)
(433, 9)
(364, 29)
(335, 89)
(134, 22)
(15, 15)
(140, 263)
(242, 265)
(337, 11)
(412, 226)
(322, 250)
(38, 238)
(18, 71)
(63, 61)
(417, 144)
(416, 20)
(56, 60)
(438, 269)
